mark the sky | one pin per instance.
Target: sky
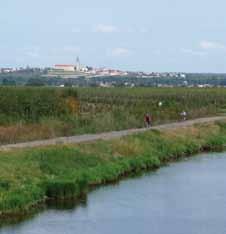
(144, 35)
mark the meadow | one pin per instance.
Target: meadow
(40, 113)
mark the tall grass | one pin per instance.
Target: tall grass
(64, 172)
(32, 104)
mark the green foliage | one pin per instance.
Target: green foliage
(21, 198)
(32, 104)
(36, 82)
(8, 82)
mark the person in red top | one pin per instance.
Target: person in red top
(147, 120)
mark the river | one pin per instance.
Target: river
(187, 197)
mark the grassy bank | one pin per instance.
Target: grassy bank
(40, 113)
(30, 177)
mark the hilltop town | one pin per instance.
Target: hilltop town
(81, 75)
(78, 70)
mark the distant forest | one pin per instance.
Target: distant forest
(36, 79)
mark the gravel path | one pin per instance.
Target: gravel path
(105, 136)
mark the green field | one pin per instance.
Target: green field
(40, 113)
(125, 108)
(30, 105)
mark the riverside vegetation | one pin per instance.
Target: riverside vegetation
(40, 113)
(30, 177)
(33, 176)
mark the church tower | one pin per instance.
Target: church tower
(78, 66)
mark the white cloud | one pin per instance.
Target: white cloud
(118, 52)
(193, 52)
(103, 28)
(207, 45)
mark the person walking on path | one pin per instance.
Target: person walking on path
(147, 120)
(183, 115)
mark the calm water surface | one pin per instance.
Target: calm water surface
(184, 198)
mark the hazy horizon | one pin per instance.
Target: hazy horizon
(163, 36)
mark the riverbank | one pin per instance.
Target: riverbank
(30, 177)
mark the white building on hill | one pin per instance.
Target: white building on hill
(65, 68)
(71, 68)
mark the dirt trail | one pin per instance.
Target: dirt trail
(105, 136)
